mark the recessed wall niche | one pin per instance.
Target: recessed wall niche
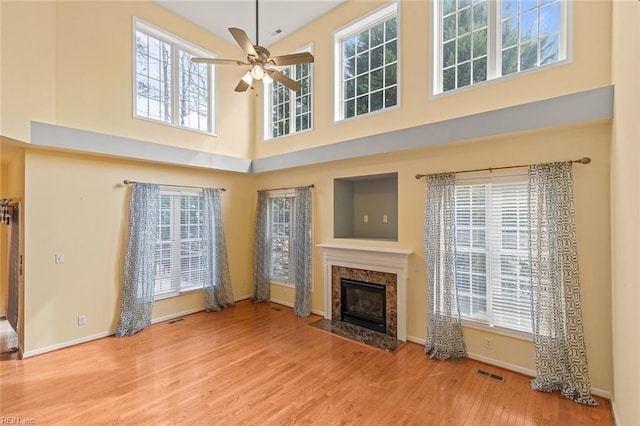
(366, 207)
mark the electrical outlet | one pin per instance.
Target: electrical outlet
(82, 319)
(242, 284)
(488, 343)
(385, 218)
(59, 258)
(366, 219)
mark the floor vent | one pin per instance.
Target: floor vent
(176, 320)
(275, 309)
(490, 375)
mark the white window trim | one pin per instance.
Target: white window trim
(481, 177)
(278, 193)
(267, 110)
(174, 191)
(192, 49)
(354, 27)
(494, 34)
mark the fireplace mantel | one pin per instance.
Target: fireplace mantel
(391, 260)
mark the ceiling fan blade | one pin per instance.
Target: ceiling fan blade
(243, 41)
(217, 61)
(283, 79)
(293, 59)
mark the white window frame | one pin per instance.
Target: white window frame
(282, 193)
(494, 44)
(176, 243)
(511, 175)
(268, 99)
(369, 20)
(178, 44)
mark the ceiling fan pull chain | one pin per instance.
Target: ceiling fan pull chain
(257, 34)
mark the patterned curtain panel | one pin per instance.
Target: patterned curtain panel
(261, 255)
(13, 296)
(444, 327)
(218, 293)
(561, 357)
(302, 251)
(139, 266)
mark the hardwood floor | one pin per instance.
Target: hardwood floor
(252, 364)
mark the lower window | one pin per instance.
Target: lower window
(280, 218)
(493, 274)
(179, 260)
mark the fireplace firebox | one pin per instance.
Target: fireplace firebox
(363, 304)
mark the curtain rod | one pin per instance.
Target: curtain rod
(290, 187)
(129, 182)
(12, 201)
(583, 160)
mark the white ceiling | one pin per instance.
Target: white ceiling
(218, 15)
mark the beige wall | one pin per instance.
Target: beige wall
(28, 62)
(77, 206)
(70, 63)
(625, 210)
(589, 68)
(592, 215)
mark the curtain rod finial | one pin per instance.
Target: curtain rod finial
(584, 160)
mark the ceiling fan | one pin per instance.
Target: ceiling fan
(261, 62)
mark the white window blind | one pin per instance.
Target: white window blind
(280, 216)
(179, 261)
(493, 274)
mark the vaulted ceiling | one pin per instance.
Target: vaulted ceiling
(274, 15)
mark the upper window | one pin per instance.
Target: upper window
(179, 258)
(479, 40)
(168, 86)
(493, 274)
(366, 73)
(280, 218)
(287, 111)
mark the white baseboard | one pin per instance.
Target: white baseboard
(616, 419)
(290, 305)
(511, 367)
(67, 344)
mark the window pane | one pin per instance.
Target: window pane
(377, 57)
(464, 74)
(479, 43)
(391, 29)
(362, 105)
(362, 84)
(528, 55)
(377, 100)
(362, 63)
(374, 67)
(510, 61)
(377, 35)
(376, 79)
(480, 70)
(391, 97)
(449, 27)
(464, 48)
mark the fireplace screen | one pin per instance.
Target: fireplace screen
(363, 304)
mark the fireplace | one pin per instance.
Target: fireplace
(363, 304)
(386, 267)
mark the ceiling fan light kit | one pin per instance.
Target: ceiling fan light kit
(263, 65)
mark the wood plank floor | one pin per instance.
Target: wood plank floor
(256, 364)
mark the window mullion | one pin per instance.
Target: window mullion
(494, 46)
(175, 81)
(292, 102)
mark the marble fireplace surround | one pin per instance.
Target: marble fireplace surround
(378, 259)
